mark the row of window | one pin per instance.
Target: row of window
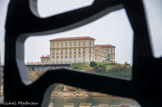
(70, 51)
(110, 50)
(70, 59)
(100, 56)
(67, 44)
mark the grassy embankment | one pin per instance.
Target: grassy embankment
(113, 70)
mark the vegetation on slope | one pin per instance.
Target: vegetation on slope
(123, 71)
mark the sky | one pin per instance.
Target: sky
(114, 28)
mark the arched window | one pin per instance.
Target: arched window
(66, 44)
(57, 51)
(61, 59)
(74, 44)
(83, 58)
(89, 43)
(83, 43)
(74, 51)
(61, 44)
(53, 52)
(83, 50)
(74, 58)
(57, 60)
(65, 51)
(53, 44)
(65, 59)
(89, 50)
(70, 44)
(79, 58)
(61, 51)
(79, 43)
(57, 44)
(53, 59)
(79, 51)
(70, 59)
(89, 57)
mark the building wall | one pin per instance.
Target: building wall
(71, 51)
(78, 51)
(45, 59)
(102, 52)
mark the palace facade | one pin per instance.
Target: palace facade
(77, 50)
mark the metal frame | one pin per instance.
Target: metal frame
(23, 20)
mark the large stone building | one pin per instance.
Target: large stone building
(77, 50)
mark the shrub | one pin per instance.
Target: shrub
(93, 64)
(100, 68)
(117, 68)
(60, 88)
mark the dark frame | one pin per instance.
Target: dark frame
(23, 20)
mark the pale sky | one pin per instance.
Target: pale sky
(113, 28)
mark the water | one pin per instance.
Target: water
(95, 101)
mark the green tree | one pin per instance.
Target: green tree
(60, 88)
(93, 64)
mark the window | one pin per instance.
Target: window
(65, 51)
(61, 44)
(89, 43)
(61, 51)
(83, 43)
(83, 50)
(43, 61)
(79, 43)
(83, 58)
(74, 44)
(53, 44)
(89, 57)
(111, 50)
(89, 50)
(66, 44)
(53, 59)
(79, 50)
(61, 59)
(65, 59)
(79, 59)
(57, 51)
(75, 51)
(70, 51)
(53, 51)
(47, 60)
(57, 60)
(57, 44)
(70, 59)
(74, 58)
(70, 44)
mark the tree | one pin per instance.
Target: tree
(93, 64)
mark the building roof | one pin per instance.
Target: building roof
(106, 45)
(72, 38)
